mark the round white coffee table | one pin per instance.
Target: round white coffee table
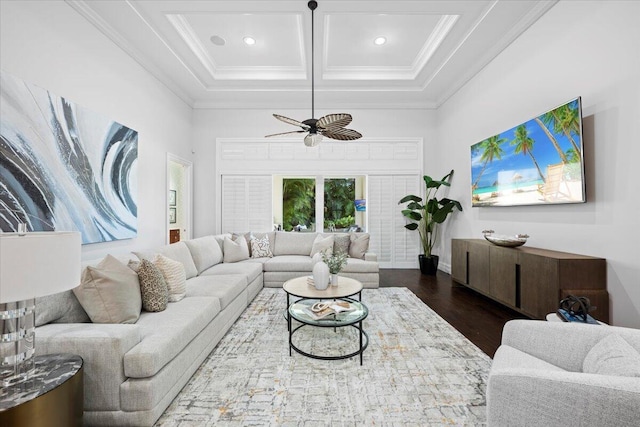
(299, 287)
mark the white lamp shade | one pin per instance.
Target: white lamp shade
(312, 139)
(38, 264)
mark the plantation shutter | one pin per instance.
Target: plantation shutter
(246, 203)
(406, 242)
(395, 246)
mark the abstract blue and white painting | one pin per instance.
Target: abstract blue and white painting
(64, 167)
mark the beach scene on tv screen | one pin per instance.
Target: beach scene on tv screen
(537, 162)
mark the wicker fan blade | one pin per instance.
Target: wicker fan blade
(342, 134)
(285, 133)
(333, 121)
(290, 121)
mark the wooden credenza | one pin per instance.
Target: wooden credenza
(530, 280)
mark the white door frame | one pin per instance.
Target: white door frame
(187, 198)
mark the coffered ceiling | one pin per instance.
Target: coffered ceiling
(197, 48)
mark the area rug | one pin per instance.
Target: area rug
(418, 370)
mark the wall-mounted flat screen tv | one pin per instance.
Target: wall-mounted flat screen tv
(535, 163)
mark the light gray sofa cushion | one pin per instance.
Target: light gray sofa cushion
(293, 243)
(289, 263)
(355, 265)
(250, 269)
(166, 333)
(225, 287)
(62, 307)
(205, 251)
(177, 252)
(508, 357)
(102, 347)
(612, 355)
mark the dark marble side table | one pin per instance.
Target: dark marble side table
(53, 396)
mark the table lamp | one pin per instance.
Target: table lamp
(31, 265)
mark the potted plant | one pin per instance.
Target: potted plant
(336, 263)
(427, 216)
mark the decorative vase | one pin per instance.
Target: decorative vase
(321, 276)
(429, 265)
(334, 279)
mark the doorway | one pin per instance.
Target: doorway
(179, 198)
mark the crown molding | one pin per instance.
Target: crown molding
(83, 8)
(522, 25)
(270, 105)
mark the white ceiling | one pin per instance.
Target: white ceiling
(433, 48)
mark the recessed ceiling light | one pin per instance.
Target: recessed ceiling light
(249, 41)
(380, 40)
(217, 40)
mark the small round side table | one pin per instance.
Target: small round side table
(52, 396)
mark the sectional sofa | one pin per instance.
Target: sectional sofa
(134, 370)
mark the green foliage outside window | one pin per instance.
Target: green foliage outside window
(298, 203)
(339, 202)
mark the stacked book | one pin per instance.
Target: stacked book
(310, 281)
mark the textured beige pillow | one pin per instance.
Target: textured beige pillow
(174, 275)
(341, 243)
(612, 355)
(110, 292)
(322, 244)
(358, 245)
(235, 250)
(153, 287)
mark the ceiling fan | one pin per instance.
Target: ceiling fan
(332, 125)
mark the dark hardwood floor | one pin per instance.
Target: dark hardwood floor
(477, 317)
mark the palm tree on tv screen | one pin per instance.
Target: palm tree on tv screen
(524, 144)
(545, 120)
(491, 149)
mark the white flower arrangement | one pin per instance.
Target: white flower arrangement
(336, 262)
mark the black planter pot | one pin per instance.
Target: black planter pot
(428, 265)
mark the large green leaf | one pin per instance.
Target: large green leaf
(415, 206)
(411, 226)
(410, 197)
(412, 214)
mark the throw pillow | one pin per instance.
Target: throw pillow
(110, 292)
(358, 245)
(341, 243)
(134, 265)
(612, 355)
(153, 287)
(235, 250)
(260, 248)
(322, 244)
(206, 252)
(248, 236)
(174, 275)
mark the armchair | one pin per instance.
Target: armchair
(538, 376)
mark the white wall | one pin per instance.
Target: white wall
(579, 48)
(50, 44)
(209, 124)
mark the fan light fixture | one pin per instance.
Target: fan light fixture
(250, 41)
(332, 125)
(380, 40)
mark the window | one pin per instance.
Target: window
(339, 203)
(301, 203)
